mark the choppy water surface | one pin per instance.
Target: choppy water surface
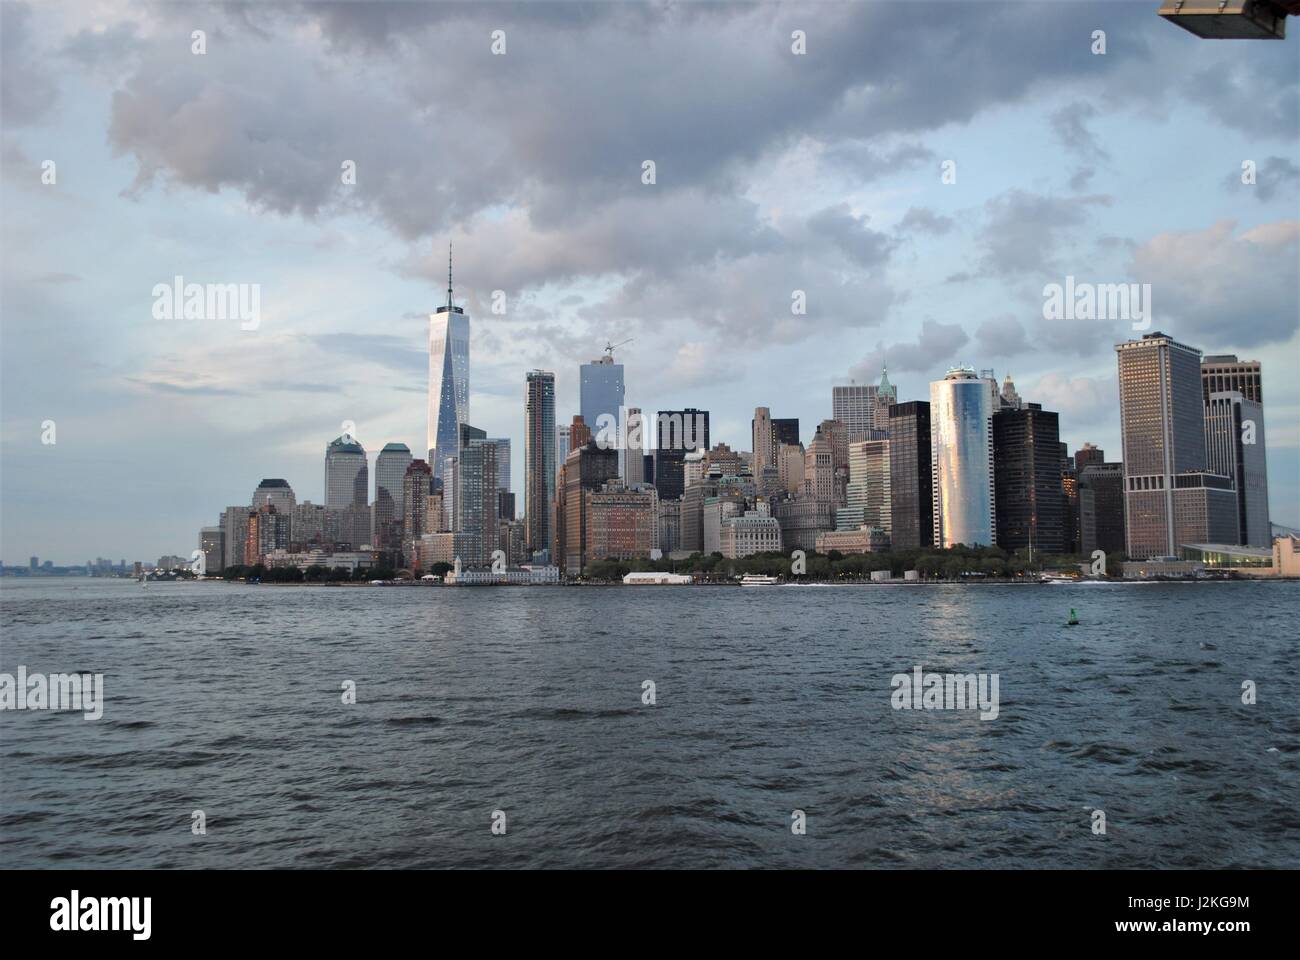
(227, 699)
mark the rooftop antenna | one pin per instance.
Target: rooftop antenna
(449, 276)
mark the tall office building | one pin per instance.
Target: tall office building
(785, 430)
(764, 441)
(347, 477)
(587, 468)
(819, 469)
(212, 541)
(562, 445)
(676, 432)
(1030, 504)
(863, 407)
(868, 500)
(386, 518)
(854, 406)
(910, 480)
(416, 485)
(1170, 498)
(632, 452)
(1224, 373)
(448, 378)
(600, 394)
(234, 525)
(1234, 441)
(1088, 454)
(961, 459)
(580, 434)
(276, 492)
(1101, 507)
(503, 462)
(886, 397)
(540, 440)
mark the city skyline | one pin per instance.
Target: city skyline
(176, 418)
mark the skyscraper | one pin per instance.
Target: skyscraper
(1234, 440)
(1030, 504)
(886, 397)
(961, 459)
(276, 492)
(910, 480)
(503, 462)
(386, 515)
(347, 477)
(854, 406)
(476, 496)
(676, 432)
(448, 378)
(1169, 496)
(416, 484)
(764, 441)
(632, 453)
(1224, 373)
(540, 439)
(1101, 507)
(600, 390)
(785, 430)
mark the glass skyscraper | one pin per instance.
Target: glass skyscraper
(961, 458)
(448, 379)
(347, 477)
(390, 469)
(601, 394)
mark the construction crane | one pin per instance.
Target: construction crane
(609, 347)
(1231, 19)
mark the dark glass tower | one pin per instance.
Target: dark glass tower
(912, 507)
(676, 433)
(1030, 505)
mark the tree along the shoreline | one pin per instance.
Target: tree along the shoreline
(956, 563)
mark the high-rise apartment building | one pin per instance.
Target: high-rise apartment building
(476, 496)
(540, 464)
(961, 459)
(764, 441)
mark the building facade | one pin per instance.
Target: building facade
(540, 465)
(961, 459)
(1030, 502)
(347, 476)
(910, 480)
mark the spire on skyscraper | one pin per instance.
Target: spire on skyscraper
(448, 276)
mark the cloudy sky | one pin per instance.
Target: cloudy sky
(775, 172)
